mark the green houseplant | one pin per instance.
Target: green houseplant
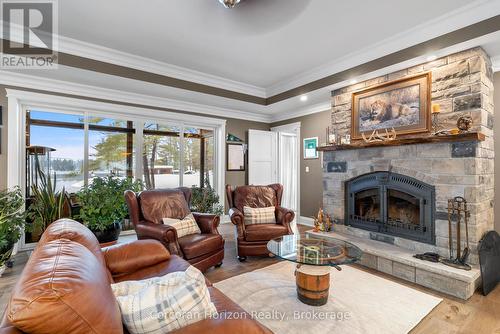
(205, 200)
(46, 204)
(103, 206)
(12, 221)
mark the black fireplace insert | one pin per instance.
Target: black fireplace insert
(393, 204)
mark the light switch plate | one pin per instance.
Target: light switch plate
(307, 169)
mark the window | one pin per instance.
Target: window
(111, 147)
(172, 155)
(62, 137)
(76, 135)
(161, 156)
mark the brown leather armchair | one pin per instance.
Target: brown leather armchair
(253, 239)
(147, 210)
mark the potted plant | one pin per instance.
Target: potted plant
(103, 206)
(46, 204)
(12, 220)
(205, 200)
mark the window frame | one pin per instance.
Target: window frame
(19, 102)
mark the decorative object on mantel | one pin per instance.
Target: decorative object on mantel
(403, 104)
(489, 258)
(436, 127)
(457, 208)
(331, 136)
(346, 140)
(377, 137)
(459, 137)
(464, 123)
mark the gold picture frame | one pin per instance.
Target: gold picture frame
(403, 104)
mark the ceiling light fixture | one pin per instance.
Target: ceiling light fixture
(353, 82)
(229, 3)
(303, 98)
(431, 57)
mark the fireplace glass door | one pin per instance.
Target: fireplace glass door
(403, 208)
(367, 205)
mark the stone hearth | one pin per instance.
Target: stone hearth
(462, 85)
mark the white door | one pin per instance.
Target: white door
(288, 169)
(262, 157)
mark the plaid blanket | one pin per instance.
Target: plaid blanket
(259, 215)
(163, 304)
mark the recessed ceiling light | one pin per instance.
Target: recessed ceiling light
(303, 98)
(353, 81)
(431, 57)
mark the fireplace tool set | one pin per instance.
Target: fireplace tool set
(457, 207)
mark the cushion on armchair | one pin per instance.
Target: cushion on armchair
(259, 215)
(185, 226)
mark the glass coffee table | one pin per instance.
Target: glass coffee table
(315, 258)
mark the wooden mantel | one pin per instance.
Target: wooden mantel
(469, 136)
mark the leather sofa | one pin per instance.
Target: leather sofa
(253, 239)
(65, 286)
(148, 208)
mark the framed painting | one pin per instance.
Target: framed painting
(310, 145)
(235, 157)
(402, 104)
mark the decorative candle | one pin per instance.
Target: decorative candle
(436, 108)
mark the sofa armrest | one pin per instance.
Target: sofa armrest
(130, 257)
(229, 325)
(166, 234)
(238, 220)
(284, 217)
(207, 222)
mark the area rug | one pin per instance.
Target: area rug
(359, 302)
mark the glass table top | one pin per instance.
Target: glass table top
(310, 250)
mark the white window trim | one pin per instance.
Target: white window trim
(19, 101)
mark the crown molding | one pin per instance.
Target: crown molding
(112, 56)
(120, 97)
(313, 109)
(472, 13)
(495, 64)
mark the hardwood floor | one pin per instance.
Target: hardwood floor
(478, 315)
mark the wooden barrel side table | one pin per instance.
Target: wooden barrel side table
(313, 284)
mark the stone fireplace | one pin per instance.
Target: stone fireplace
(399, 194)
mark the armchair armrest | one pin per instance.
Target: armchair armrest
(284, 217)
(166, 234)
(207, 222)
(130, 257)
(238, 220)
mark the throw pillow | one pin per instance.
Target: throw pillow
(164, 304)
(184, 226)
(259, 215)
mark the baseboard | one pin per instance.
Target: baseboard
(305, 221)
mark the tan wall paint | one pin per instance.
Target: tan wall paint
(311, 183)
(496, 131)
(237, 127)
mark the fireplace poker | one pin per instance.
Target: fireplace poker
(456, 208)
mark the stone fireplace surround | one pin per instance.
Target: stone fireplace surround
(462, 85)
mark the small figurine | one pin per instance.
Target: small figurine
(328, 223)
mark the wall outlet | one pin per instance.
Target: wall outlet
(307, 169)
